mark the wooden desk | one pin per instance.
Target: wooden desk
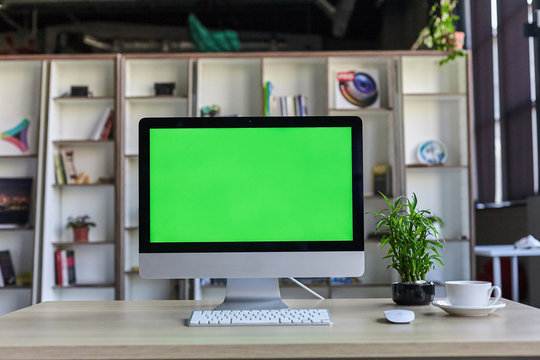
(157, 330)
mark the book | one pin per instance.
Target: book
(97, 131)
(357, 89)
(289, 103)
(15, 201)
(6, 269)
(106, 131)
(58, 267)
(268, 87)
(68, 162)
(59, 174)
(65, 279)
(70, 264)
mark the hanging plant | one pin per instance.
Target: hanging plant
(440, 33)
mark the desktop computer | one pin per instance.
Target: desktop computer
(251, 199)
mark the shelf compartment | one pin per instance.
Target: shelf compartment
(446, 195)
(294, 76)
(221, 81)
(97, 74)
(20, 94)
(382, 66)
(423, 74)
(432, 119)
(142, 74)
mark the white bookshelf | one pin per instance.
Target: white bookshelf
(435, 107)
(140, 100)
(22, 81)
(418, 100)
(70, 124)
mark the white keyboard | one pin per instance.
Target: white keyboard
(260, 317)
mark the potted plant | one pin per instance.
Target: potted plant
(440, 33)
(413, 247)
(80, 225)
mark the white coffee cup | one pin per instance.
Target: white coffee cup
(471, 293)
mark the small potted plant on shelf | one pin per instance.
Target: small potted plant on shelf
(413, 247)
(80, 225)
(440, 33)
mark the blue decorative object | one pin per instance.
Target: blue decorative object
(432, 152)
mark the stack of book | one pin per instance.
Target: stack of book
(64, 269)
(291, 105)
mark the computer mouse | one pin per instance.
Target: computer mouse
(399, 316)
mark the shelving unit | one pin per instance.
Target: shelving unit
(22, 81)
(139, 100)
(418, 100)
(435, 105)
(71, 121)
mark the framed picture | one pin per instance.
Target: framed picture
(15, 201)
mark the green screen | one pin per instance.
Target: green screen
(251, 184)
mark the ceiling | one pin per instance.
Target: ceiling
(66, 25)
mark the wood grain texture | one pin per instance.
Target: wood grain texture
(157, 330)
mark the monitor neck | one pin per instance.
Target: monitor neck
(252, 294)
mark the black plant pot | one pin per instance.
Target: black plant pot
(413, 293)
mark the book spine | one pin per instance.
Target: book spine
(290, 105)
(6, 266)
(304, 105)
(59, 174)
(70, 254)
(283, 106)
(96, 132)
(58, 267)
(107, 127)
(267, 98)
(65, 280)
(69, 166)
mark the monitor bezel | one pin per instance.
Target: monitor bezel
(146, 124)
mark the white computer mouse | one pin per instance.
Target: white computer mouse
(399, 316)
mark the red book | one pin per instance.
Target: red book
(58, 266)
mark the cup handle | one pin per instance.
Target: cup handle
(497, 291)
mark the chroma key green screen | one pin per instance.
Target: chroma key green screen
(250, 184)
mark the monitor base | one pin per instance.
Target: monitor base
(252, 294)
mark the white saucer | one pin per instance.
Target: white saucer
(467, 310)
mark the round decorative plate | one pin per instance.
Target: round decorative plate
(431, 152)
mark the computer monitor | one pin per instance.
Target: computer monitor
(251, 199)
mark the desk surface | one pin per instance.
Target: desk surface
(157, 330)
